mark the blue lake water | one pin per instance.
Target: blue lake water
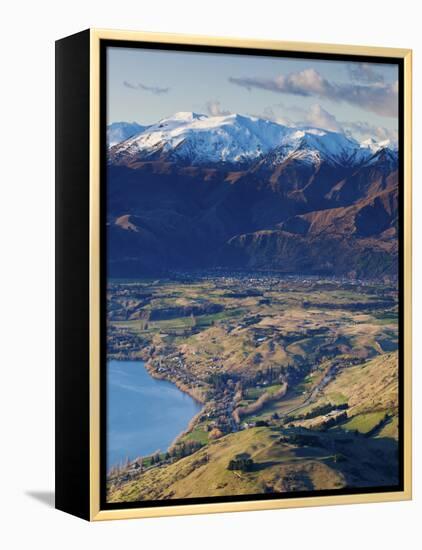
(143, 414)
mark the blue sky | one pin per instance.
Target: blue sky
(147, 85)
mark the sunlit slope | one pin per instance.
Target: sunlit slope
(371, 392)
(205, 473)
(332, 461)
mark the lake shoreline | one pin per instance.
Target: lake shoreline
(135, 411)
(185, 389)
(180, 386)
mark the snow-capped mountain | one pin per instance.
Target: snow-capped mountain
(314, 145)
(120, 131)
(199, 139)
(246, 193)
(375, 145)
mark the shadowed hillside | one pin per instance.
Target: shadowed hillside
(293, 209)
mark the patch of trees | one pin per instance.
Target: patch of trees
(165, 313)
(244, 293)
(300, 439)
(223, 424)
(184, 448)
(352, 306)
(241, 462)
(220, 380)
(155, 459)
(269, 375)
(332, 421)
(322, 410)
(180, 450)
(257, 358)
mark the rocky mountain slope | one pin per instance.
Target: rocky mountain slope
(240, 192)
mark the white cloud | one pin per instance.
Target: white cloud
(364, 130)
(317, 116)
(214, 108)
(364, 72)
(269, 114)
(156, 90)
(378, 97)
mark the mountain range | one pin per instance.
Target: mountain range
(120, 131)
(241, 192)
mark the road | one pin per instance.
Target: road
(332, 371)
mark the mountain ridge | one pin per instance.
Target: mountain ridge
(198, 138)
(318, 202)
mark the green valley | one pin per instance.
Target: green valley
(297, 376)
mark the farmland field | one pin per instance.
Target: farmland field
(297, 373)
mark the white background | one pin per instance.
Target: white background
(27, 259)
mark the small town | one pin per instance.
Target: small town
(256, 351)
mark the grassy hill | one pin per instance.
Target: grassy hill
(283, 461)
(371, 392)
(330, 344)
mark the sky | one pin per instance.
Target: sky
(360, 99)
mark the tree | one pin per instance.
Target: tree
(155, 459)
(242, 462)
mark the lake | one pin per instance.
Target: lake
(143, 414)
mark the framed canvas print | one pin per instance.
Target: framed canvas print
(233, 274)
